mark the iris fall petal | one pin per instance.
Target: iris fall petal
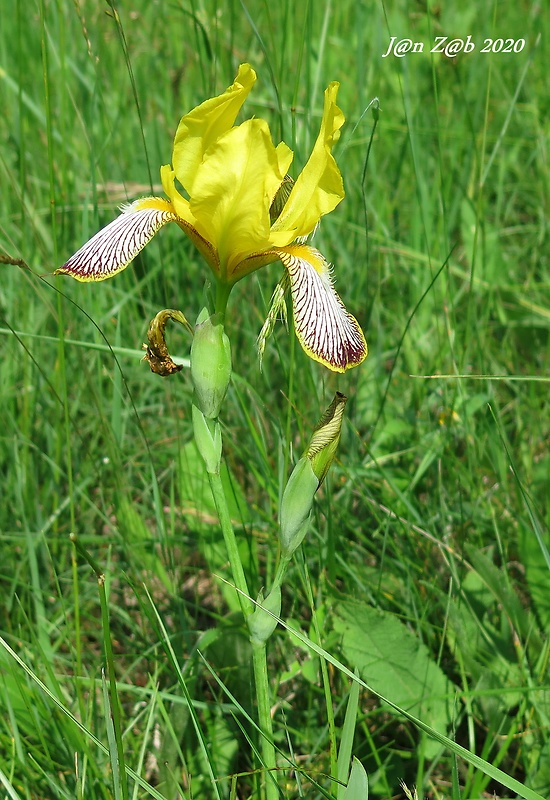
(114, 246)
(325, 329)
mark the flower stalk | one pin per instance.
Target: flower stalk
(265, 722)
(229, 190)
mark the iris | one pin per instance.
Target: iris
(228, 189)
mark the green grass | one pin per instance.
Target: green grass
(427, 566)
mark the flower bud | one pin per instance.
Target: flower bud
(326, 437)
(262, 622)
(307, 476)
(296, 506)
(210, 363)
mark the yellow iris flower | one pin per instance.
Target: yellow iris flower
(233, 177)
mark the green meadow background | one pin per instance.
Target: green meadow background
(427, 566)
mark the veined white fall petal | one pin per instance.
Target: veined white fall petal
(112, 249)
(326, 330)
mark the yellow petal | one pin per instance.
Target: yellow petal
(199, 129)
(233, 191)
(326, 331)
(250, 263)
(112, 249)
(186, 220)
(319, 187)
(181, 205)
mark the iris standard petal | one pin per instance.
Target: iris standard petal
(233, 191)
(319, 187)
(199, 129)
(181, 205)
(112, 249)
(325, 329)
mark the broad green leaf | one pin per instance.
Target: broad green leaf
(396, 664)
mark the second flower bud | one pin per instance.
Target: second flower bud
(210, 363)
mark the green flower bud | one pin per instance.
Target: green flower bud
(307, 476)
(296, 506)
(326, 437)
(261, 623)
(210, 363)
(208, 438)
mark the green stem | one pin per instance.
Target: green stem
(259, 657)
(261, 678)
(270, 789)
(223, 290)
(239, 579)
(281, 571)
